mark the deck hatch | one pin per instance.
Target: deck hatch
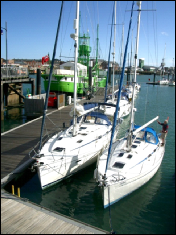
(119, 165)
(129, 156)
(137, 142)
(83, 128)
(134, 146)
(121, 154)
(58, 149)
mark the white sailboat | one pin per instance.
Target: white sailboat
(163, 80)
(171, 83)
(125, 105)
(75, 148)
(172, 80)
(131, 161)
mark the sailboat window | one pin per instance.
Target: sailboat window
(79, 141)
(90, 119)
(65, 78)
(83, 128)
(60, 138)
(119, 165)
(129, 156)
(134, 146)
(137, 142)
(150, 138)
(121, 154)
(100, 121)
(58, 149)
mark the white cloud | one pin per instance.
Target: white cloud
(164, 33)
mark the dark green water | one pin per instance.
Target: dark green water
(150, 209)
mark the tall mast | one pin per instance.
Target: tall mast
(129, 139)
(119, 93)
(50, 76)
(97, 45)
(131, 53)
(79, 28)
(121, 59)
(75, 69)
(114, 51)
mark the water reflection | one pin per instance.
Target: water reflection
(79, 197)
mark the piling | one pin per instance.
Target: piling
(13, 191)
(90, 73)
(154, 77)
(38, 81)
(2, 102)
(109, 78)
(18, 192)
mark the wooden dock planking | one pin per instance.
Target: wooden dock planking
(20, 217)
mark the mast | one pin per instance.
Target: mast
(129, 139)
(119, 93)
(75, 69)
(173, 70)
(131, 70)
(114, 51)
(97, 73)
(164, 59)
(121, 59)
(109, 57)
(50, 76)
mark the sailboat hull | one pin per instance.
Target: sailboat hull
(125, 109)
(64, 154)
(163, 82)
(49, 177)
(125, 182)
(119, 191)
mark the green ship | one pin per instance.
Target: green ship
(63, 78)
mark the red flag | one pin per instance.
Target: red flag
(45, 59)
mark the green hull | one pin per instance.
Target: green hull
(102, 83)
(68, 87)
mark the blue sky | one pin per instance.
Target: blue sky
(32, 25)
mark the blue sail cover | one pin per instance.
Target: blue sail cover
(89, 105)
(151, 131)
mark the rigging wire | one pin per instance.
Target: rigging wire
(148, 33)
(155, 37)
(109, 56)
(149, 52)
(91, 23)
(146, 102)
(97, 12)
(50, 75)
(94, 40)
(63, 39)
(107, 33)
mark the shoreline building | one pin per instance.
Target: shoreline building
(141, 62)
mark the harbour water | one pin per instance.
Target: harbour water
(149, 210)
